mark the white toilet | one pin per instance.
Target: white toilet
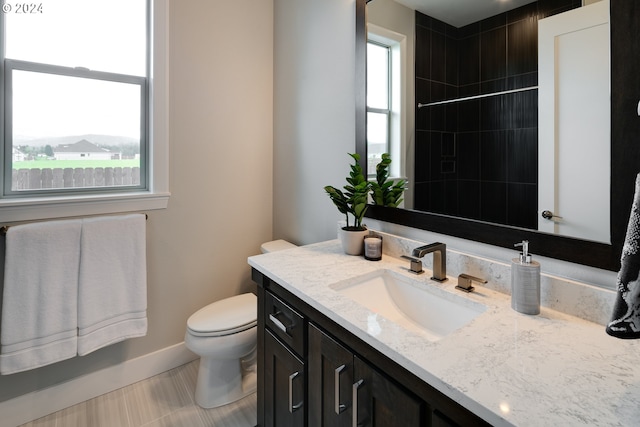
(224, 335)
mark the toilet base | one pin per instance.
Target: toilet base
(221, 382)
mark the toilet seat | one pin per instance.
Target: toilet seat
(225, 317)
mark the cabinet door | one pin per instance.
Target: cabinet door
(284, 385)
(380, 403)
(330, 368)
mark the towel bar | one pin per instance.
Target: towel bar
(5, 228)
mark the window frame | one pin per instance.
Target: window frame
(155, 195)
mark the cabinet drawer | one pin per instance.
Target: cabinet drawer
(285, 322)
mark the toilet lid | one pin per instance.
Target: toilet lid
(227, 315)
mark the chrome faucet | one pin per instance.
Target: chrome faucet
(439, 251)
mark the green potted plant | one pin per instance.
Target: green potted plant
(352, 202)
(385, 191)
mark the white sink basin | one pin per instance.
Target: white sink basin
(412, 304)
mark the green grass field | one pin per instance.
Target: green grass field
(44, 164)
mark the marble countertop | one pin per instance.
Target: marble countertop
(552, 369)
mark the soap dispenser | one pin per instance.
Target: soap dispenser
(525, 282)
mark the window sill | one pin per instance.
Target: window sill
(32, 209)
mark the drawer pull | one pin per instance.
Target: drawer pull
(354, 418)
(277, 322)
(292, 407)
(336, 391)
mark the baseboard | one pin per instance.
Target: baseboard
(31, 406)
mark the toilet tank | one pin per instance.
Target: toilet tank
(276, 245)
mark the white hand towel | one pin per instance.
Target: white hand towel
(39, 313)
(112, 288)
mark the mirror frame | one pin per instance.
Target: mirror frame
(624, 153)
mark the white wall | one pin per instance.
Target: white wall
(314, 114)
(220, 211)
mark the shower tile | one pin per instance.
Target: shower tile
(468, 155)
(522, 42)
(493, 54)
(522, 206)
(423, 56)
(439, 26)
(422, 155)
(469, 51)
(493, 22)
(492, 86)
(452, 58)
(469, 115)
(493, 156)
(469, 30)
(522, 156)
(437, 202)
(494, 202)
(469, 205)
(423, 20)
(422, 194)
(522, 12)
(438, 57)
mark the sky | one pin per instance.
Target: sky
(103, 35)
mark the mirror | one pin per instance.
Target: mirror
(601, 255)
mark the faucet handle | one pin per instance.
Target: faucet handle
(465, 280)
(416, 264)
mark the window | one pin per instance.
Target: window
(385, 114)
(378, 103)
(83, 107)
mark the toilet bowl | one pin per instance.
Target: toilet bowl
(224, 335)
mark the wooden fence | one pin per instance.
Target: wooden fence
(34, 179)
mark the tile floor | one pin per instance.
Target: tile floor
(165, 400)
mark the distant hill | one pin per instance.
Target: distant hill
(54, 142)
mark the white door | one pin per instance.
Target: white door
(574, 128)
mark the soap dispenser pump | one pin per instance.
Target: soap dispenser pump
(525, 282)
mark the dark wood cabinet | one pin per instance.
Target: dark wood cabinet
(284, 380)
(330, 381)
(383, 403)
(313, 372)
(344, 390)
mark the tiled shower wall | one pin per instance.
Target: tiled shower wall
(478, 158)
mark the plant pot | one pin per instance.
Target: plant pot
(352, 240)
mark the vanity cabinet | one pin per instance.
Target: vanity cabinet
(344, 390)
(314, 372)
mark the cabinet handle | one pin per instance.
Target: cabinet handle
(277, 322)
(336, 391)
(292, 407)
(354, 397)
